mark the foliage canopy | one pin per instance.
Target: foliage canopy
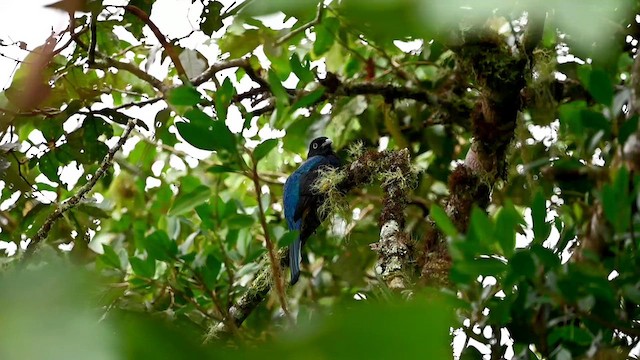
(492, 153)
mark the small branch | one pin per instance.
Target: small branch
(255, 294)
(304, 27)
(213, 69)
(136, 11)
(276, 270)
(79, 196)
(108, 62)
(94, 39)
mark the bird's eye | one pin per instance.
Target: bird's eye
(315, 145)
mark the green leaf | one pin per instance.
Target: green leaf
(570, 333)
(309, 99)
(212, 21)
(223, 98)
(486, 266)
(159, 246)
(110, 258)
(595, 120)
(184, 95)
(288, 238)
(522, 264)
(441, 219)
(264, 148)
(198, 117)
(628, 128)
(325, 35)
(187, 202)
(48, 165)
(210, 271)
(480, 227)
(221, 169)
(213, 137)
(616, 201)
(598, 84)
(302, 71)
(507, 221)
(143, 268)
(239, 45)
(278, 90)
(541, 229)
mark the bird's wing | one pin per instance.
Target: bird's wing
(292, 191)
(309, 200)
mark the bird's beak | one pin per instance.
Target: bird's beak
(327, 142)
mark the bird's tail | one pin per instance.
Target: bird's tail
(294, 260)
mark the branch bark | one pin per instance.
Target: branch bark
(74, 200)
(499, 75)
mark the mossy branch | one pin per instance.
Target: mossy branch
(76, 199)
(396, 175)
(254, 295)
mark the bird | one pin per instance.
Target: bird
(301, 200)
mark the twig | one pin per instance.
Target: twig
(276, 270)
(108, 62)
(94, 39)
(136, 11)
(304, 27)
(79, 196)
(213, 69)
(255, 294)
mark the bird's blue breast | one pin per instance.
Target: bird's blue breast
(292, 190)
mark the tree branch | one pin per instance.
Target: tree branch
(254, 295)
(108, 62)
(213, 69)
(276, 270)
(169, 48)
(499, 75)
(304, 27)
(79, 196)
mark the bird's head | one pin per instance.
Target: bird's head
(320, 146)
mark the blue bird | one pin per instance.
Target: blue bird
(301, 201)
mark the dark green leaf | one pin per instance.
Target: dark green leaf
(486, 266)
(442, 220)
(212, 20)
(288, 238)
(598, 83)
(480, 227)
(223, 98)
(144, 268)
(210, 271)
(48, 165)
(507, 221)
(159, 246)
(309, 99)
(628, 128)
(541, 229)
(325, 35)
(264, 148)
(570, 333)
(279, 91)
(302, 71)
(110, 258)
